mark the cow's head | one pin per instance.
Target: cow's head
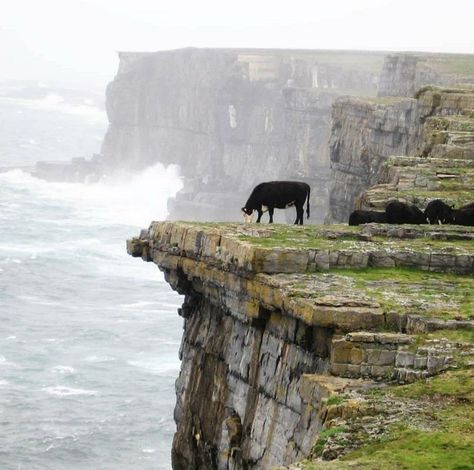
(248, 215)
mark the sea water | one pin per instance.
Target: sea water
(89, 336)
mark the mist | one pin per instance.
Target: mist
(116, 115)
(75, 42)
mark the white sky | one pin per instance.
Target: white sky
(75, 41)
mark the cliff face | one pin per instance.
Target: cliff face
(231, 119)
(405, 74)
(275, 333)
(365, 133)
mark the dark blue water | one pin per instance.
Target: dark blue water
(88, 335)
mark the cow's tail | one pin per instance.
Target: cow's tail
(307, 204)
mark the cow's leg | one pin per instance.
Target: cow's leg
(299, 215)
(260, 213)
(270, 213)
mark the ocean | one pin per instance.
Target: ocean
(89, 336)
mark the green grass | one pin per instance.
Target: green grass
(419, 450)
(455, 385)
(445, 441)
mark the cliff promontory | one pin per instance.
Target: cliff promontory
(297, 339)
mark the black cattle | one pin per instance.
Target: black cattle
(464, 216)
(365, 217)
(400, 213)
(438, 212)
(279, 195)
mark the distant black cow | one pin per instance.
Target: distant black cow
(365, 217)
(400, 213)
(464, 216)
(280, 195)
(438, 212)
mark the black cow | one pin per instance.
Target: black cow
(280, 195)
(464, 216)
(400, 213)
(365, 217)
(438, 212)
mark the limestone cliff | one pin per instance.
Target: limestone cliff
(280, 344)
(231, 119)
(365, 133)
(404, 74)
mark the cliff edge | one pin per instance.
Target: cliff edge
(297, 340)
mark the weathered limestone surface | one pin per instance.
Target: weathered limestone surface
(272, 334)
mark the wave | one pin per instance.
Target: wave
(55, 102)
(68, 391)
(63, 370)
(94, 358)
(121, 199)
(157, 366)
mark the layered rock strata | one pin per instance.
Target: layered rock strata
(436, 125)
(444, 166)
(274, 327)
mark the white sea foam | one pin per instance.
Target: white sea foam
(121, 199)
(94, 358)
(68, 391)
(63, 370)
(157, 366)
(148, 451)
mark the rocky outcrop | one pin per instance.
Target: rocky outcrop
(444, 167)
(275, 330)
(405, 74)
(365, 135)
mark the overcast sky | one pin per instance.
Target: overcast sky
(75, 41)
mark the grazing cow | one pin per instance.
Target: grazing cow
(400, 213)
(280, 195)
(438, 212)
(365, 217)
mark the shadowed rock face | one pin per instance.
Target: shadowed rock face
(231, 119)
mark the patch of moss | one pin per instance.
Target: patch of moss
(323, 438)
(335, 400)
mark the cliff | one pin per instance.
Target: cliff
(404, 74)
(290, 332)
(435, 125)
(231, 118)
